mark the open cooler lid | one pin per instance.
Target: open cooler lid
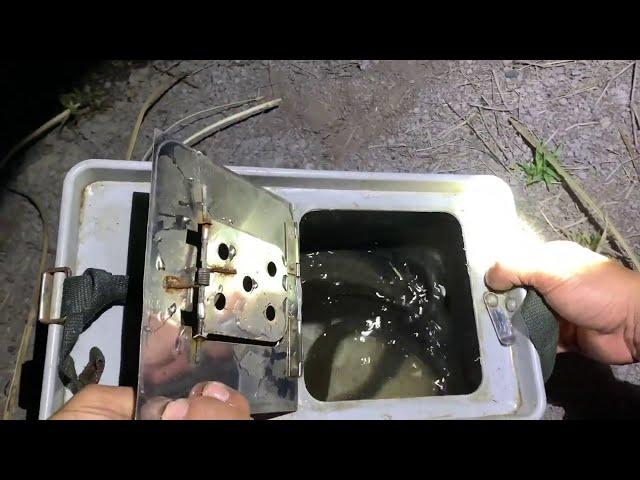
(220, 292)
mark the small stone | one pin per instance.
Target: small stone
(605, 122)
(510, 73)
(563, 101)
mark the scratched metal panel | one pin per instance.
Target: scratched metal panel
(190, 195)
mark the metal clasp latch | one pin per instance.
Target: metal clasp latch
(44, 305)
(501, 316)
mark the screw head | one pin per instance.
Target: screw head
(491, 299)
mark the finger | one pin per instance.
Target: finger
(543, 266)
(209, 401)
(154, 408)
(221, 392)
(208, 408)
(203, 408)
(118, 400)
(502, 276)
(100, 401)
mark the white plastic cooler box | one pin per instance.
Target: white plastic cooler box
(94, 231)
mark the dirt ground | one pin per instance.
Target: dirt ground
(393, 116)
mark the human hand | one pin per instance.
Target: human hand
(595, 299)
(206, 401)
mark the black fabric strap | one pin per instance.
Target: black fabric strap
(84, 298)
(543, 330)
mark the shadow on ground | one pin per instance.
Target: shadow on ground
(589, 390)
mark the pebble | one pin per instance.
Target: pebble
(510, 73)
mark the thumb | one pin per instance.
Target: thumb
(504, 276)
(542, 267)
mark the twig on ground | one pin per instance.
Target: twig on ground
(551, 224)
(484, 142)
(451, 170)
(616, 168)
(212, 110)
(495, 140)
(553, 198)
(604, 90)
(634, 114)
(169, 68)
(633, 154)
(578, 167)
(584, 198)
(4, 300)
(480, 158)
(151, 100)
(572, 94)
(634, 125)
(500, 92)
(304, 71)
(14, 387)
(450, 130)
(603, 237)
(574, 224)
(218, 108)
(556, 63)
(59, 119)
(173, 75)
(489, 107)
(399, 145)
(583, 124)
(626, 195)
(230, 120)
(571, 127)
(436, 147)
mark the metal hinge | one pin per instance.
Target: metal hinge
(500, 314)
(44, 303)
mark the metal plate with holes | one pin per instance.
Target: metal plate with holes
(220, 280)
(249, 303)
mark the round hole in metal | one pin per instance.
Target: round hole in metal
(219, 301)
(271, 268)
(270, 313)
(223, 251)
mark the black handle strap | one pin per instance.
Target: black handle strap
(84, 298)
(543, 330)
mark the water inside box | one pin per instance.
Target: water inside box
(386, 306)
